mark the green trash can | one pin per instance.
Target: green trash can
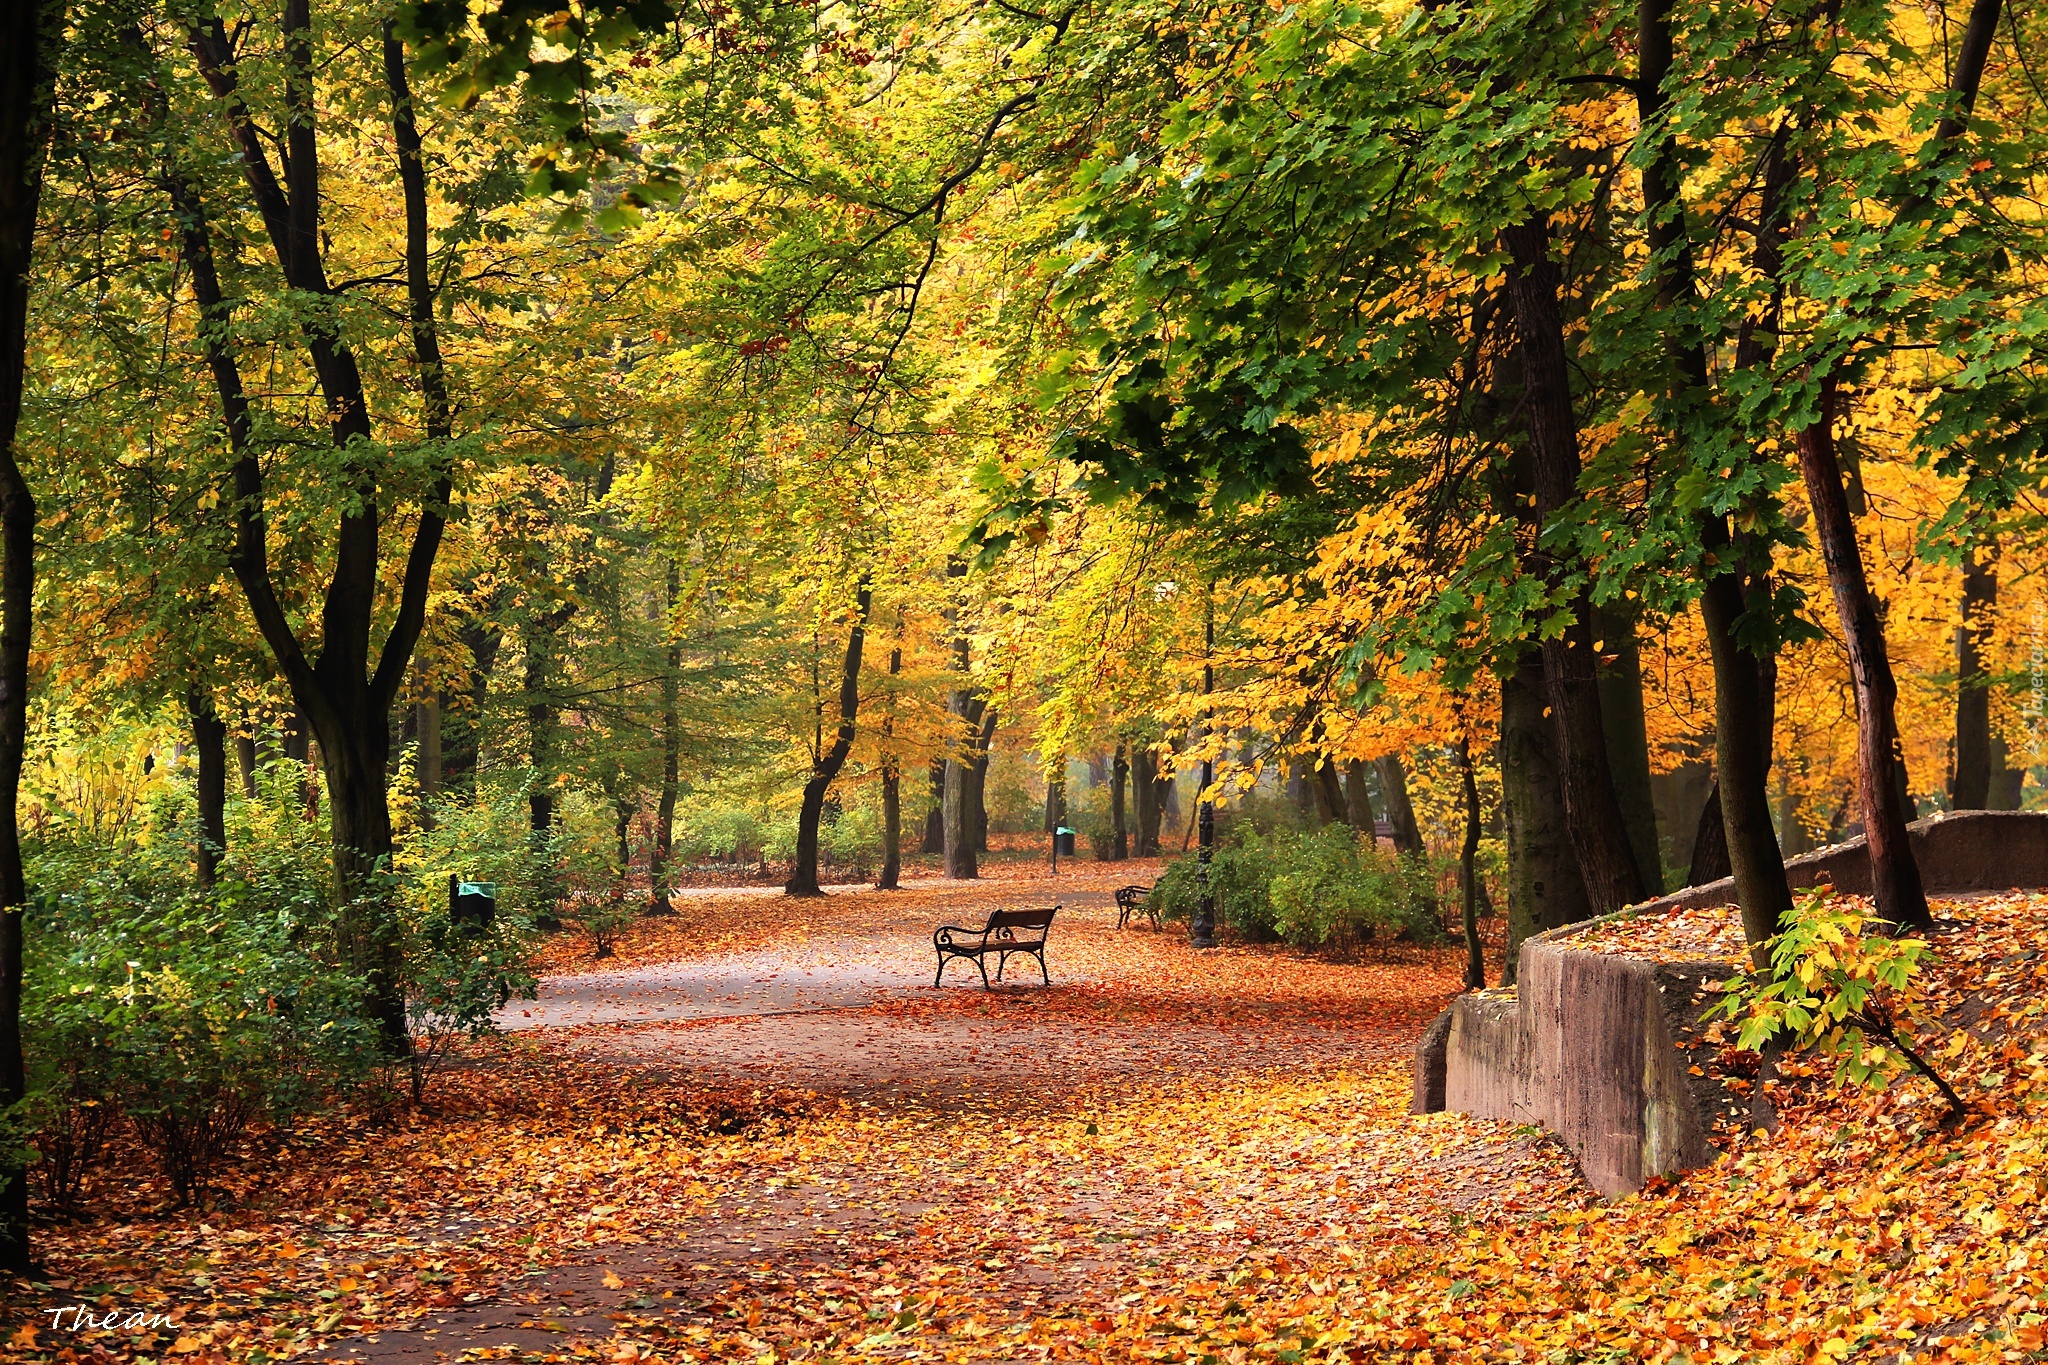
(1065, 841)
(473, 905)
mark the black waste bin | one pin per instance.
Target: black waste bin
(1064, 842)
(472, 905)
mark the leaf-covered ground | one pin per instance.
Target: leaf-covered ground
(1164, 1156)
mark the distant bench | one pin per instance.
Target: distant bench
(1007, 931)
(1135, 900)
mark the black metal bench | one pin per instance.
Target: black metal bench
(1132, 900)
(1007, 931)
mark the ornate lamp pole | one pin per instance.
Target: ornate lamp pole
(1202, 927)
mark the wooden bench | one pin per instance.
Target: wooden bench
(1131, 900)
(1007, 931)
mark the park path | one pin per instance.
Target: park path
(976, 1160)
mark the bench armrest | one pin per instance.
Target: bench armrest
(943, 934)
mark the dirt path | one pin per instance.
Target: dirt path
(1036, 1149)
(761, 1134)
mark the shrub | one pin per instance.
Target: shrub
(725, 834)
(191, 1014)
(1337, 890)
(1326, 889)
(1841, 988)
(853, 839)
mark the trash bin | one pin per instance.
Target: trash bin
(473, 905)
(1064, 841)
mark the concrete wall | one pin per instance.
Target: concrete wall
(1972, 850)
(1595, 1047)
(1588, 1046)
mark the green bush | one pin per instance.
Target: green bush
(854, 839)
(1327, 889)
(721, 834)
(191, 1014)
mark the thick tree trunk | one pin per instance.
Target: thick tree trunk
(245, 764)
(210, 746)
(29, 34)
(1545, 890)
(1357, 797)
(661, 861)
(1628, 739)
(892, 785)
(1400, 811)
(1593, 815)
(803, 877)
(1119, 777)
(1468, 873)
(1895, 877)
(1971, 787)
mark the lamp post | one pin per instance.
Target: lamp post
(1202, 927)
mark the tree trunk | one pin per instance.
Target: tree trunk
(345, 694)
(984, 745)
(892, 782)
(1744, 680)
(935, 818)
(803, 877)
(1119, 776)
(29, 36)
(1400, 812)
(959, 806)
(1330, 799)
(1545, 890)
(1971, 787)
(1709, 861)
(541, 719)
(622, 827)
(1628, 739)
(1468, 872)
(427, 725)
(210, 745)
(1145, 799)
(1357, 797)
(1894, 876)
(245, 761)
(1599, 833)
(661, 860)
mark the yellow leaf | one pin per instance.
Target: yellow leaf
(612, 1281)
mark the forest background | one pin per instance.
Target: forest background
(1599, 445)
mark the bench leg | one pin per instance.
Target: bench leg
(1002, 961)
(982, 967)
(1045, 978)
(937, 976)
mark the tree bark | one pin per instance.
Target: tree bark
(1628, 739)
(1119, 777)
(1709, 861)
(245, 763)
(1971, 787)
(803, 877)
(1545, 889)
(210, 746)
(984, 745)
(1330, 799)
(959, 806)
(541, 719)
(1358, 798)
(1400, 811)
(660, 861)
(1468, 872)
(892, 782)
(1593, 815)
(935, 818)
(427, 725)
(1145, 799)
(1894, 876)
(29, 35)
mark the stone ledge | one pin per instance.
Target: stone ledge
(1592, 1045)
(1971, 850)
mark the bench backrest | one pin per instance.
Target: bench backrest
(1021, 919)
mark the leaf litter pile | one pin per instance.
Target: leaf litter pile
(669, 1196)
